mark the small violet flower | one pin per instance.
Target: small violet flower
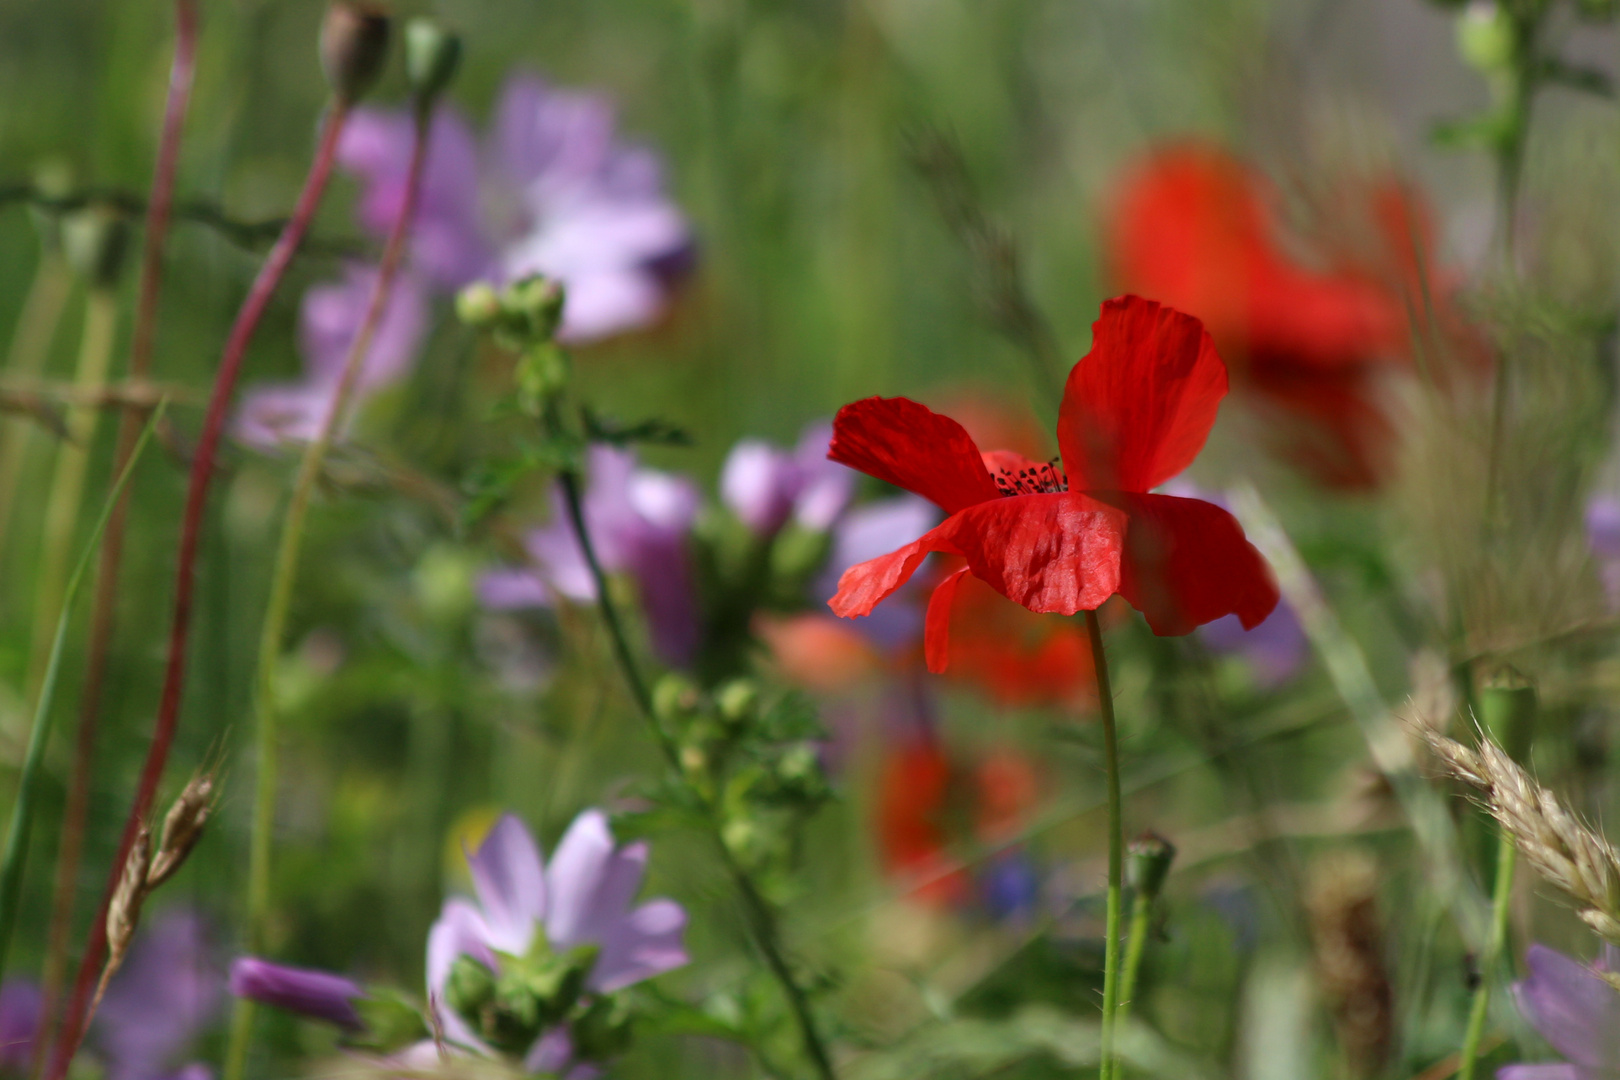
(1576, 1010)
(277, 413)
(766, 486)
(639, 520)
(1603, 538)
(551, 190)
(319, 995)
(583, 902)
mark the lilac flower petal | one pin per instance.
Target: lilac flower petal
(511, 883)
(331, 315)
(825, 487)
(1557, 1071)
(757, 484)
(167, 992)
(551, 1053)
(547, 137)
(1572, 1007)
(319, 995)
(865, 533)
(1603, 526)
(590, 883)
(195, 1070)
(274, 415)
(20, 1005)
(645, 944)
(504, 590)
(460, 930)
(1275, 650)
(666, 502)
(600, 303)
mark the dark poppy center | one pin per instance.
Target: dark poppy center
(1040, 480)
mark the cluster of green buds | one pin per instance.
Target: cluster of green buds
(512, 1005)
(754, 764)
(523, 317)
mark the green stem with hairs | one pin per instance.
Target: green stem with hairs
(1502, 895)
(22, 813)
(762, 923)
(1116, 848)
(1136, 945)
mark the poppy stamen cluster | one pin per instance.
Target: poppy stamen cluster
(1044, 479)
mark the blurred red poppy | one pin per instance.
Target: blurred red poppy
(1135, 412)
(913, 796)
(1190, 227)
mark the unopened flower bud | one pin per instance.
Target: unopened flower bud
(1485, 37)
(538, 300)
(319, 995)
(1507, 706)
(432, 55)
(675, 699)
(95, 241)
(479, 306)
(354, 47)
(737, 700)
(1149, 865)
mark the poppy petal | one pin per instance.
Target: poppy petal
(937, 627)
(912, 447)
(1052, 553)
(1187, 563)
(1138, 407)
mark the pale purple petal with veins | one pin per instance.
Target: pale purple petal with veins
(1275, 650)
(1574, 1009)
(511, 884)
(645, 943)
(460, 930)
(1542, 1072)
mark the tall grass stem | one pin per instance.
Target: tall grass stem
(1490, 960)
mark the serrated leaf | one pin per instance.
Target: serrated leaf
(654, 431)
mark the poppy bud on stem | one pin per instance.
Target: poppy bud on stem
(1149, 866)
(354, 48)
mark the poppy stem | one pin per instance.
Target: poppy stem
(104, 605)
(202, 475)
(762, 922)
(285, 575)
(1502, 895)
(1116, 848)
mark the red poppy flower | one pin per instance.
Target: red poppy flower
(1064, 538)
(1191, 228)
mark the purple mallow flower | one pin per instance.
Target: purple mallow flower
(550, 190)
(765, 485)
(19, 1024)
(276, 413)
(639, 520)
(1576, 1010)
(585, 897)
(167, 992)
(1275, 650)
(319, 995)
(1603, 538)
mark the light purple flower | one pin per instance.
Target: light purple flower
(1576, 1010)
(866, 532)
(585, 897)
(1603, 538)
(1275, 650)
(639, 520)
(167, 992)
(765, 485)
(277, 413)
(319, 995)
(19, 1024)
(551, 190)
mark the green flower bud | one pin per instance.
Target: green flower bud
(354, 48)
(1150, 856)
(738, 701)
(1485, 38)
(390, 1022)
(95, 241)
(538, 302)
(675, 700)
(604, 1030)
(470, 988)
(432, 55)
(798, 770)
(479, 306)
(443, 581)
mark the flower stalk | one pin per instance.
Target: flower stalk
(1502, 895)
(1116, 850)
(201, 480)
(285, 575)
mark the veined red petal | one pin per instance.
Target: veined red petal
(937, 624)
(912, 447)
(1187, 563)
(1138, 407)
(1053, 553)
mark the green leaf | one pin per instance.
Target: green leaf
(655, 431)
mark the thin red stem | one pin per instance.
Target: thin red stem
(202, 474)
(104, 610)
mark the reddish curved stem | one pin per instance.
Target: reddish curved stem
(104, 610)
(202, 474)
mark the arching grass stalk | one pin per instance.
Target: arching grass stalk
(191, 525)
(762, 923)
(68, 477)
(103, 609)
(37, 325)
(285, 575)
(1116, 848)
(22, 812)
